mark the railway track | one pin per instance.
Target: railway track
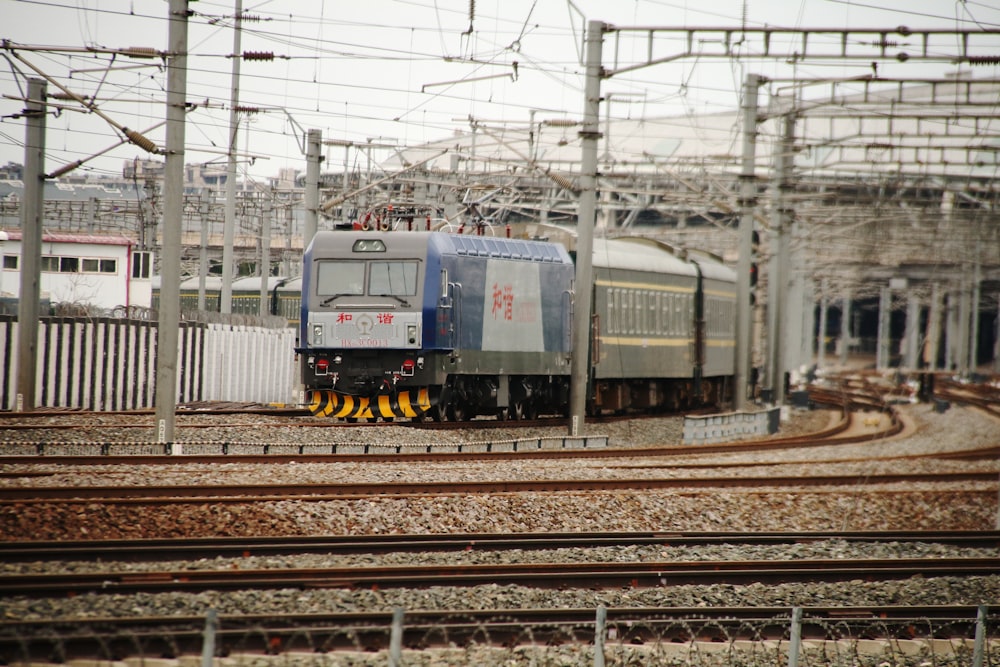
(180, 549)
(302, 418)
(136, 495)
(838, 433)
(592, 575)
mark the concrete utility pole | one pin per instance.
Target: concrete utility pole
(748, 199)
(589, 135)
(229, 226)
(314, 154)
(203, 200)
(267, 208)
(778, 269)
(173, 208)
(31, 244)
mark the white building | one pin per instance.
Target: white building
(81, 269)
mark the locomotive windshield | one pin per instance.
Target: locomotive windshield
(393, 279)
(340, 278)
(385, 278)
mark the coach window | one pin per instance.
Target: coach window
(610, 324)
(680, 305)
(392, 279)
(347, 278)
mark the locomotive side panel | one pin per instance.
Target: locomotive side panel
(511, 317)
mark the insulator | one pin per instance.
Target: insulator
(68, 96)
(258, 55)
(983, 60)
(886, 44)
(140, 52)
(472, 10)
(251, 18)
(240, 108)
(141, 141)
(563, 182)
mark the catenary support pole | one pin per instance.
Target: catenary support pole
(267, 208)
(589, 135)
(314, 154)
(932, 338)
(777, 275)
(882, 343)
(173, 209)
(32, 209)
(229, 222)
(203, 201)
(824, 306)
(845, 327)
(748, 200)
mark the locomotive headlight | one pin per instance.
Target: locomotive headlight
(337, 359)
(317, 336)
(411, 334)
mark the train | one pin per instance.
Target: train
(284, 296)
(441, 326)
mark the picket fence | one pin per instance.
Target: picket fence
(106, 363)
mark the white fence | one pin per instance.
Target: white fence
(109, 364)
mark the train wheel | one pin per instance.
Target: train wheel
(503, 414)
(439, 413)
(517, 411)
(457, 413)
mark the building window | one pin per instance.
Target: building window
(94, 265)
(142, 262)
(50, 264)
(10, 262)
(69, 265)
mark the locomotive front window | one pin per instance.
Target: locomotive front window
(334, 278)
(393, 279)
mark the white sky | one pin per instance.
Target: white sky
(365, 69)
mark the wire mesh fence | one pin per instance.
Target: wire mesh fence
(600, 637)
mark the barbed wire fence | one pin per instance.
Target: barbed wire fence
(613, 638)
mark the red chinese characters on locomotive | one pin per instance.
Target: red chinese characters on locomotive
(503, 301)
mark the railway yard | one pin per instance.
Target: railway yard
(875, 527)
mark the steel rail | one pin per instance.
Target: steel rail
(247, 493)
(164, 549)
(534, 575)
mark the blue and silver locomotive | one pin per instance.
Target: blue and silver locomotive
(410, 324)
